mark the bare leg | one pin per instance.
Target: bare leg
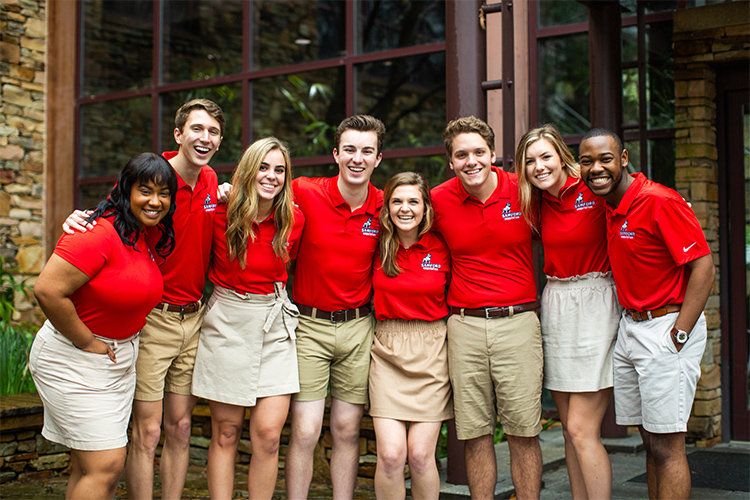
(481, 467)
(345, 420)
(95, 474)
(139, 469)
(392, 452)
(307, 421)
(584, 425)
(525, 466)
(226, 429)
(267, 419)
(669, 463)
(577, 485)
(175, 455)
(425, 481)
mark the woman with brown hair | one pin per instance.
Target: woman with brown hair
(410, 393)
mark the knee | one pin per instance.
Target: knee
(147, 436)
(579, 434)
(266, 441)
(227, 435)
(421, 459)
(392, 460)
(304, 435)
(179, 430)
(345, 431)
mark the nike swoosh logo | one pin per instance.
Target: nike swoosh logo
(685, 249)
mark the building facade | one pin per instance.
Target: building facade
(84, 85)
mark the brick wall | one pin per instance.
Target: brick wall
(703, 38)
(22, 127)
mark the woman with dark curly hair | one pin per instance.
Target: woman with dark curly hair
(96, 290)
(410, 394)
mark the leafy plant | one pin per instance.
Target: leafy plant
(15, 338)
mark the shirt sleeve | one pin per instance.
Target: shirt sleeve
(88, 251)
(296, 235)
(681, 232)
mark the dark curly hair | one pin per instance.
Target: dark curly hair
(140, 169)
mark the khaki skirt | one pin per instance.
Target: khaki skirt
(579, 319)
(409, 371)
(247, 348)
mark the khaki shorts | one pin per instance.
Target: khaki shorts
(167, 354)
(338, 353)
(496, 370)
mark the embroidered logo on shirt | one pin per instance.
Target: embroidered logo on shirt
(207, 205)
(583, 205)
(368, 230)
(625, 234)
(508, 215)
(685, 249)
(428, 265)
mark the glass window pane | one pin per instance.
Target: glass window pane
(564, 85)
(630, 95)
(557, 12)
(634, 156)
(629, 43)
(89, 195)
(392, 24)
(229, 98)
(408, 94)
(432, 168)
(117, 52)
(302, 109)
(662, 160)
(660, 5)
(201, 39)
(660, 75)
(297, 31)
(328, 170)
(111, 133)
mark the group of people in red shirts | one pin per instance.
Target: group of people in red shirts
(421, 302)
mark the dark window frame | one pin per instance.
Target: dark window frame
(350, 61)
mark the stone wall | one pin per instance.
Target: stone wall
(22, 128)
(703, 38)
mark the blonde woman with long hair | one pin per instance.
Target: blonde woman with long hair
(410, 393)
(247, 354)
(580, 312)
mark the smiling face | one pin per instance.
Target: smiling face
(149, 203)
(357, 156)
(406, 208)
(271, 176)
(200, 138)
(471, 160)
(544, 168)
(603, 167)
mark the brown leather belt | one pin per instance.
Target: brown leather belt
(186, 309)
(496, 312)
(335, 316)
(656, 313)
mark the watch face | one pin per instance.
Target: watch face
(681, 336)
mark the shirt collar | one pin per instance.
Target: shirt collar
(369, 207)
(502, 190)
(639, 180)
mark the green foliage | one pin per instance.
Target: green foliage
(15, 338)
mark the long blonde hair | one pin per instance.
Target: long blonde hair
(528, 194)
(388, 234)
(243, 202)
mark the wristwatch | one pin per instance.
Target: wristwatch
(680, 336)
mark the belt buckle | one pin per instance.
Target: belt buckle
(488, 310)
(648, 313)
(338, 316)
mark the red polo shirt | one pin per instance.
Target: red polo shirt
(263, 267)
(334, 265)
(651, 235)
(419, 291)
(184, 270)
(124, 286)
(490, 244)
(574, 231)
